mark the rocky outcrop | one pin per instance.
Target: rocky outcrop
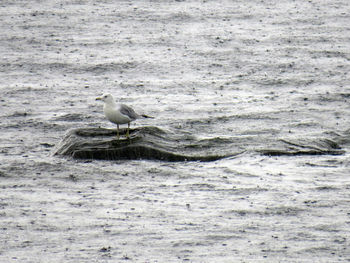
(144, 143)
(152, 143)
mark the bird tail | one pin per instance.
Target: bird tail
(146, 116)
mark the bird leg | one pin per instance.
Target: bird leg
(128, 131)
(118, 131)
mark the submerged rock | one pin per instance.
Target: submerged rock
(292, 147)
(149, 143)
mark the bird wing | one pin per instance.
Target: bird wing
(126, 110)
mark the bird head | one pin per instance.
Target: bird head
(106, 98)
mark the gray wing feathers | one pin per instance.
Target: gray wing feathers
(126, 110)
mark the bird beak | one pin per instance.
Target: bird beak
(98, 98)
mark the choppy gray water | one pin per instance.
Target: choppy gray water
(251, 74)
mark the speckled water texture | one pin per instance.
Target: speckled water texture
(248, 72)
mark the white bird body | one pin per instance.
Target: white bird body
(113, 113)
(118, 113)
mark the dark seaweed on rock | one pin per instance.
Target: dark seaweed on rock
(149, 143)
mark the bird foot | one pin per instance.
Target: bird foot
(128, 133)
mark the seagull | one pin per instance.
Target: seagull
(119, 113)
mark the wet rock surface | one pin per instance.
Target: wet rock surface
(317, 146)
(151, 143)
(148, 143)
